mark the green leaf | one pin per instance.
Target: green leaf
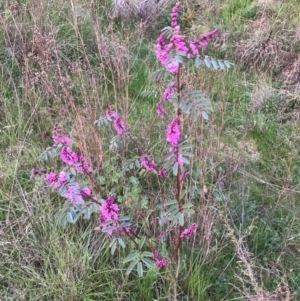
(184, 160)
(126, 224)
(139, 269)
(178, 59)
(70, 217)
(204, 115)
(72, 211)
(207, 61)
(77, 207)
(149, 263)
(121, 242)
(94, 207)
(132, 255)
(131, 266)
(197, 61)
(124, 218)
(147, 254)
(170, 202)
(187, 154)
(189, 211)
(188, 205)
(142, 241)
(181, 219)
(181, 53)
(172, 208)
(158, 74)
(185, 146)
(228, 64)
(113, 247)
(107, 229)
(221, 64)
(175, 169)
(87, 214)
(215, 64)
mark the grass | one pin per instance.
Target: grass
(246, 155)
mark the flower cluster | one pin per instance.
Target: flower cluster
(109, 211)
(169, 91)
(147, 163)
(188, 232)
(73, 191)
(162, 173)
(75, 159)
(203, 41)
(174, 14)
(37, 172)
(179, 43)
(160, 110)
(159, 261)
(173, 132)
(58, 137)
(119, 124)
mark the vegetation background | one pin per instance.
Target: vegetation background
(62, 60)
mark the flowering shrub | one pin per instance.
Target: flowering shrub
(172, 51)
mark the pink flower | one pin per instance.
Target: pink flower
(35, 172)
(173, 66)
(109, 210)
(206, 37)
(58, 137)
(52, 179)
(74, 193)
(169, 92)
(159, 261)
(119, 125)
(183, 175)
(68, 156)
(81, 165)
(147, 163)
(179, 43)
(162, 173)
(112, 114)
(62, 177)
(194, 47)
(86, 191)
(173, 132)
(174, 14)
(188, 232)
(160, 110)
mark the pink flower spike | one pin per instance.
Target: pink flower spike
(162, 173)
(161, 263)
(173, 132)
(188, 232)
(68, 156)
(74, 194)
(119, 126)
(160, 110)
(147, 163)
(183, 176)
(62, 177)
(58, 137)
(173, 66)
(52, 179)
(169, 92)
(109, 210)
(35, 172)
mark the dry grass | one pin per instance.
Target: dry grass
(146, 10)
